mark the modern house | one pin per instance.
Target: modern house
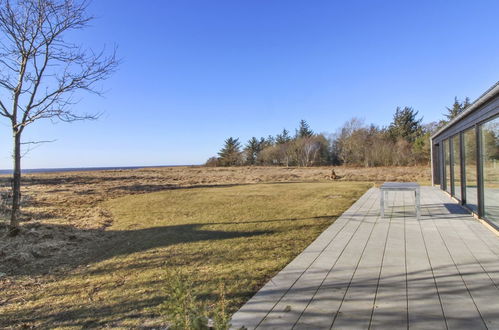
(465, 157)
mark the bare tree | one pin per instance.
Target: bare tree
(41, 71)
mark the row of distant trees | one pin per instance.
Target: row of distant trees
(304, 148)
(405, 141)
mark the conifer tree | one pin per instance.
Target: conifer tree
(304, 130)
(268, 142)
(252, 150)
(457, 108)
(405, 125)
(283, 137)
(230, 154)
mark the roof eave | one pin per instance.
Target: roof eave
(485, 97)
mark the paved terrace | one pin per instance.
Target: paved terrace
(441, 272)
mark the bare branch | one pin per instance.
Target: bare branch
(4, 112)
(32, 145)
(37, 142)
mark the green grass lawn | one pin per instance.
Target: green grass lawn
(241, 235)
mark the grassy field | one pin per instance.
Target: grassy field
(240, 235)
(96, 247)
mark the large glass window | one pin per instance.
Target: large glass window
(456, 165)
(447, 165)
(470, 169)
(490, 160)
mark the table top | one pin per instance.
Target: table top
(399, 186)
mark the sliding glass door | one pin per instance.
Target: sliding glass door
(456, 166)
(470, 168)
(490, 163)
(447, 171)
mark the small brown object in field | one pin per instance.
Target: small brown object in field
(333, 176)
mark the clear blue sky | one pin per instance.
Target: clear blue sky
(197, 72)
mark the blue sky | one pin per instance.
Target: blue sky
(197, 72)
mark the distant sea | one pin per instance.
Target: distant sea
(78, 169)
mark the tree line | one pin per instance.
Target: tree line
(304, 148)
(404, 142)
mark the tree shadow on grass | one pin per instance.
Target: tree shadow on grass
(94, 245)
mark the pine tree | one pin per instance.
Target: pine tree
(456, 109)
(252, 150)
(268, 142)
(230, 154)
(304, 130)
(405, 125)
(283, 137)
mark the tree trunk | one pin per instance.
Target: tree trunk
(16, 186)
